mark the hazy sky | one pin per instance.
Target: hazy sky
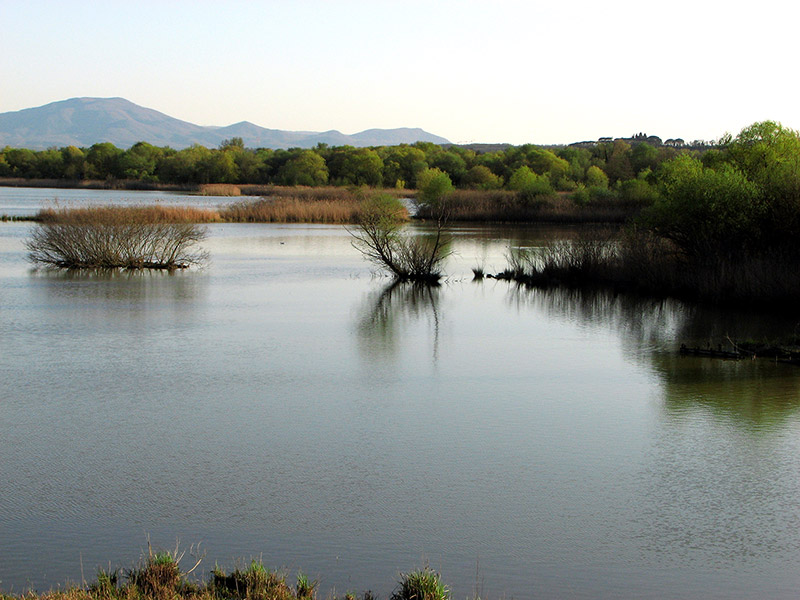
(471, 71)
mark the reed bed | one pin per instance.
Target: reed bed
(219, 189)
(149, 213)
(294, 210)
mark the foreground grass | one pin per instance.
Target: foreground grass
(159, 576)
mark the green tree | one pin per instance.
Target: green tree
(481, 177)
(709, 214)
(355, 166)
(140, 161)
(49, 164)
(74, 162)
(401, 164)
(305, 168)
(102, 161)
(21, 162)
(528, 185)
(596, 178)
(433, 188)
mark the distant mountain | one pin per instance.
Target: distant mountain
(86, 121)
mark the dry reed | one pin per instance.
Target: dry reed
(219, 189)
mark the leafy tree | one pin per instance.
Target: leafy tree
(102, 161)
(234, 143)
(355, 166)
(433, 187)
(529, 185)
(49, 164)
(74, 161)
(305, 168)
(710, 214)
(140, 161)
(401, 164)
(451, 163)
(618, 164)
(644, 156)
(481, 177)
(21, 162)
(596, 178)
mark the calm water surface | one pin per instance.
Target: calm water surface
(285, 403)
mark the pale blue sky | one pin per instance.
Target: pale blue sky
(502, 71)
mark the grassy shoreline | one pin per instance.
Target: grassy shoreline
(160, 576)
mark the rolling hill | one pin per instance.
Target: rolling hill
(86, 121)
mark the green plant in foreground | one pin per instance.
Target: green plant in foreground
(422, 584)
(256, 582)
(305, 588)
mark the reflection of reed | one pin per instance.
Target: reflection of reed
(753, 393)
(385, 309)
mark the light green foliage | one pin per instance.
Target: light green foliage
(528, 184)
(596, 178)
(706, 211)
(637, 191)
(769, 155)
(433, 187)
(305, 588)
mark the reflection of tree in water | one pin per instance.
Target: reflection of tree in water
(386, 310)
(754, 394)
(716, 478)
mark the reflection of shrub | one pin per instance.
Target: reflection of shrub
(114, 237)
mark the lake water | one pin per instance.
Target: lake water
(285, 403)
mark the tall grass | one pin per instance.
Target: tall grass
(115, 237)
(219, 189)
(292, 210)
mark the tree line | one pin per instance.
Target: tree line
(528, 169)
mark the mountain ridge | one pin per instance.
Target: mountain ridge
(85, 121)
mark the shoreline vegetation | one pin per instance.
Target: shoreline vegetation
(718, 226)
(159, 576)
